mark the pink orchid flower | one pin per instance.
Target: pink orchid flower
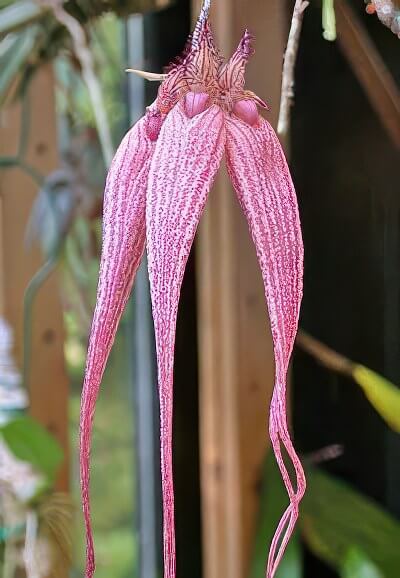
(155, 194)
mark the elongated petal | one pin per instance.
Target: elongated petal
(231, 75)
(186, 159)
(123, 246)
(265, 190)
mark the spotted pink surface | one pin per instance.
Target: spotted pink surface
(156, 190)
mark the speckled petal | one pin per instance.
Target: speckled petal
(184, 165)
(123, 246)
(266, 193)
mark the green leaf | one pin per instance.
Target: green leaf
(328, 20)
(358, 565)
(273, 503)
(335, 518)
(19, 48)
(51, 214)
(382, 393)
(18, 15)
(8, 162)
(32, 443)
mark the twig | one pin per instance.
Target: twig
(85, 58)
(369, 67)
(11, 162)
(287, 91)
(326, 454)
(30, 293)
(325, 355)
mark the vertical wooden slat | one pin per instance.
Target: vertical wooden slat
(235, 348)
(48, 380)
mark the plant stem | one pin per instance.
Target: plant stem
(287, 91)
(30, 293)
(325, 355)
(86, 61)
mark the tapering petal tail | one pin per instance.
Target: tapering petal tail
(123, 246)
(266, 193)
(186, 159)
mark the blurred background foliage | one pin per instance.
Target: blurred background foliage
(31, 35)
(66, 222)
(350, 532)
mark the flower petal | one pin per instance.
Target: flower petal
(266, 193)
(186, 159)
(231, 75)
(123, 246)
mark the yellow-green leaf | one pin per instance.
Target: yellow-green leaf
(382, 393)
(358, 565)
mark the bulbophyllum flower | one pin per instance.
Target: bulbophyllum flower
(155, 194)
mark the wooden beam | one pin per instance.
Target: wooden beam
(235, 347)
(48, 380)
(370, 69)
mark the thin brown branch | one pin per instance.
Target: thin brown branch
(287, 91)
(325, 355)
(85, 58)
(369, 68)
(325, 454)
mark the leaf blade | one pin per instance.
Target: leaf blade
(30, 442)
(381, 393)
(334, 517)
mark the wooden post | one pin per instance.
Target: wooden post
(235, 346)
(48, 380)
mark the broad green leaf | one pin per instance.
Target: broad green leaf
(358, 565)
(30, 442)
(328, 20)
(382, 393)
(335, 518)
(273, 503)
(18, 15)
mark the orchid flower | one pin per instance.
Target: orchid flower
(155, 194)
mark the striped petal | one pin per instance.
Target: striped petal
(266, 193)
(123, 246)
(186, 159)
